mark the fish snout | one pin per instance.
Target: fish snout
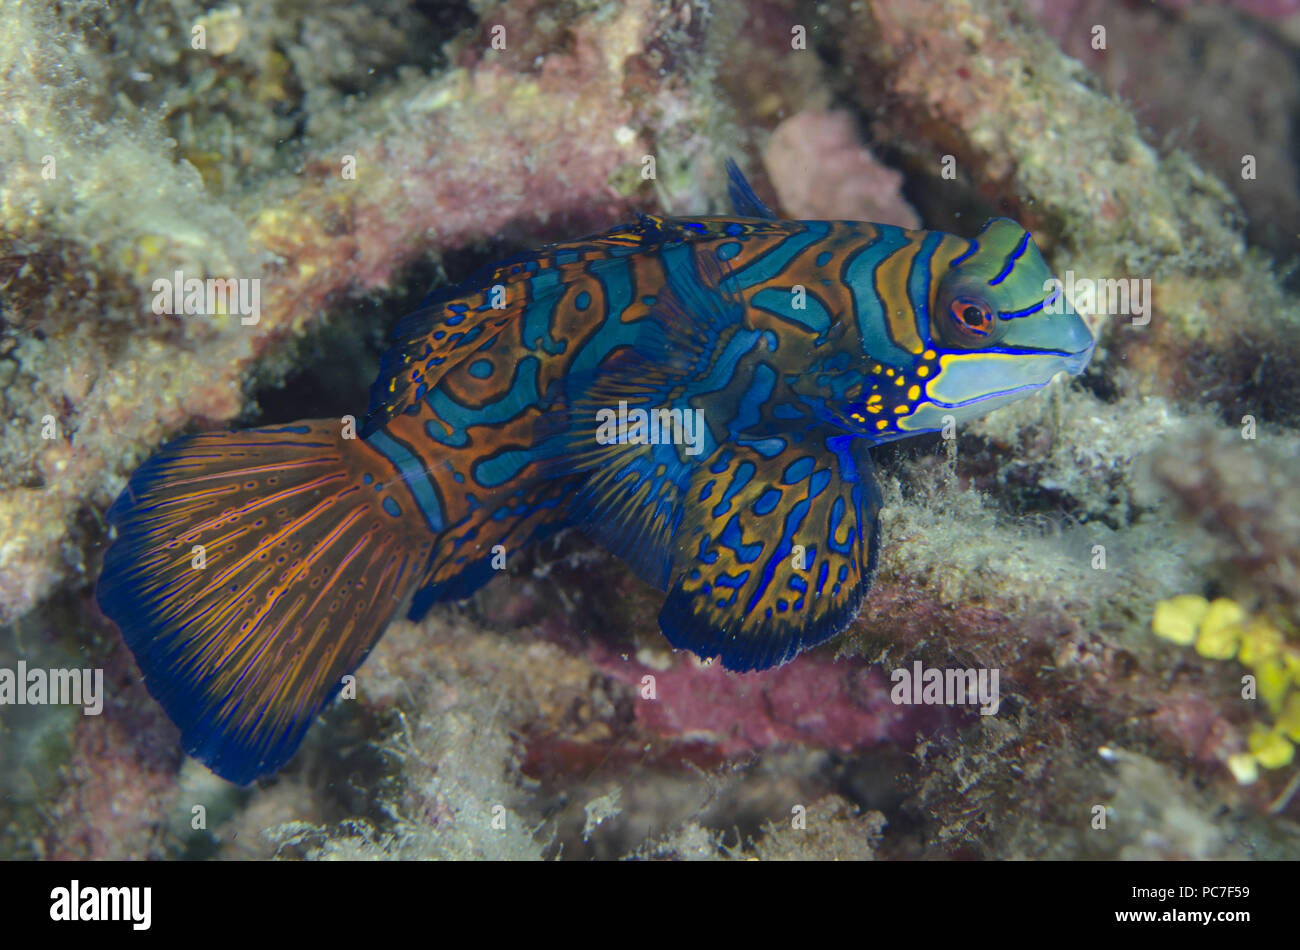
(1075, 363)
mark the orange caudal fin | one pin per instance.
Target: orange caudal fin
(251, 571)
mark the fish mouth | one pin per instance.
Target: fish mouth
(963, 381)
(1076, 362)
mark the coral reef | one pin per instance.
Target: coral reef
(1221, 630)
(1121, 551)
(1204, 77)
(377, 187)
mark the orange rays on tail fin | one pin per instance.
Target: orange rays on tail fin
(251, 571)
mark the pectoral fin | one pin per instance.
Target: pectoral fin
(634, 432)
(775, 551)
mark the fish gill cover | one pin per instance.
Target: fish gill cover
(929, 494)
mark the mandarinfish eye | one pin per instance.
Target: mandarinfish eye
(972, 317)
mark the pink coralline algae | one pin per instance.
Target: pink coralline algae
(844, 706)
(820, 169)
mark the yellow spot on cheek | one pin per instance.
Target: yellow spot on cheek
(876, 369)
(873, 404)
(900, 409)
(899, 381)
(923, 371)
(928, 354)
(889, 372)
(914, 394)
(882, 424)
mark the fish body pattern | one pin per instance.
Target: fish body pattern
(698, 395)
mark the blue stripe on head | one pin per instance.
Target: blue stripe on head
(1028, 311)
(958, 261)
(1011, 261)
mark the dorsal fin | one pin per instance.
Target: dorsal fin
(438, 336)
(744, 202)
(455, 321)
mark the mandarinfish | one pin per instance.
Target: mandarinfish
(698, 395)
